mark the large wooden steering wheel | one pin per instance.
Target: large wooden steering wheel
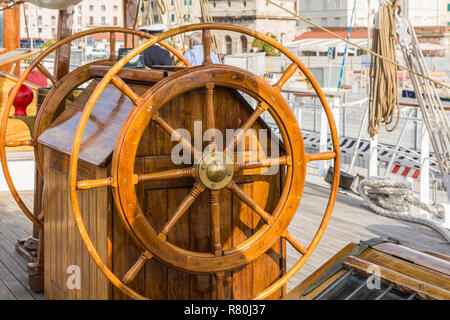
(51, 104)
(155, 243)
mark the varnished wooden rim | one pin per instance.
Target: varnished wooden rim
(110, 76)
(125, 154)
(37, 64)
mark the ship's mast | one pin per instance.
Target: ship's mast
(11, 35)
(130, 10)
(62, 55)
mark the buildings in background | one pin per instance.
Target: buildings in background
(41, 23)
(430, 18)
(337, 13)
(254, 14)
(444, 9)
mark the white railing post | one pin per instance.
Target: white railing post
(424, 165)
(373, 157)
(323, 143)
(336, 107)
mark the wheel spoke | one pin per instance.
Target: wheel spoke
(120, 84)
(286, 76)
(46, 73)
(41, 215)
(93, 184)
(209, 111)
(284, 160)
(247, 125)
(19, 143)
(181, 209)
(220, 292)
(328, 155)
(175, 135)
(295, 243)
(165, 175)
(71, 97)
(206, 41)
(134, 270)
(112, 46)
(233, 187)
(214, 198)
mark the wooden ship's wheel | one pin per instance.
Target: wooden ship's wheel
(146, 183)
(55, 101)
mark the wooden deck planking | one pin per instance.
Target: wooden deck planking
(13, 267)
(351, 221)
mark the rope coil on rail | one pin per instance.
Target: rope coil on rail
(383, 76)
(394, 199)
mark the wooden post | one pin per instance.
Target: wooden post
(130, 10)
(11, 35)
(62, 54)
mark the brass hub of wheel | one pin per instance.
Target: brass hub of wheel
(215, 170)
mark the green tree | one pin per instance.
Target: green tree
(267, 48)
(47, 44)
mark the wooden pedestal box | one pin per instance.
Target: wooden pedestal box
(65, 255)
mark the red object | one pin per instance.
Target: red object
(23, 98)
(36, 77)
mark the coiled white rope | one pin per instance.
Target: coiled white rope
(393, 199)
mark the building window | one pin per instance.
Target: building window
(172, 17)
(228, 45)
(188, 2)
(337, 22)
(91, 8)
(323, 22)
(40, 18)
(53, 21)
(79, 19)
(53, 30)
(186, 17)
(229, 3)
(171, 3)
(325, 4)
(103, 21)
(103, 8)
(91, 20)
(39, 30)
(243, 43)
(337, 4)
(115, 21)
(116, 8)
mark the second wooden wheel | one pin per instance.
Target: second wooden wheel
(60, 90)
